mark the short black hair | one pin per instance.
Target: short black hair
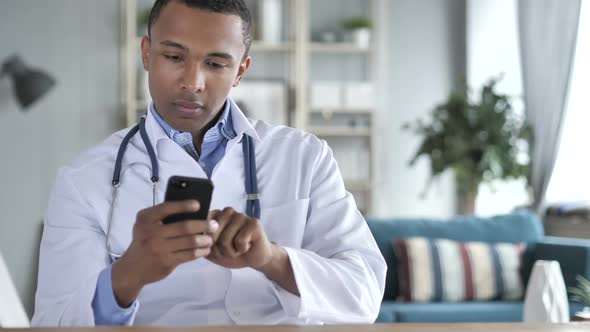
(231, 7)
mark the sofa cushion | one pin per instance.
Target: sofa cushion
(446, 270)
(448, 312)
(522, 226)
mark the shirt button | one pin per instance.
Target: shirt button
(237, 313)
(202, 164)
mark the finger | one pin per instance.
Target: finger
(156, 213)
(213, 214)
(189, 255)
(243, 239)
(189, 227)
(225, 242)
(189, 242)
(223, 218)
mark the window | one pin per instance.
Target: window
(493, 26)
(570, 180)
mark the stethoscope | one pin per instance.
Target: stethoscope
(251, 180)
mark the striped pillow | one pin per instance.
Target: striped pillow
(444, 270)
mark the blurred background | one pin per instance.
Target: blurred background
(481, 93)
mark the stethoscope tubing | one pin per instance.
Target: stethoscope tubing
(251, 178)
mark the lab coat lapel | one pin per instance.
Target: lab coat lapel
(165, 148)
(173, 159)
(228, 179)
(228, 176)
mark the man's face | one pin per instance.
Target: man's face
(193, 57)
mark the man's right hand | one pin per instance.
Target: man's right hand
(157, 249)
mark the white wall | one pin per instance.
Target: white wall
(77, 42)
(423, 62)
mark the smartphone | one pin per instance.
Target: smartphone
(181, 188)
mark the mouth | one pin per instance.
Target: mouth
(188, 107)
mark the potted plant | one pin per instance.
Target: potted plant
(360, 29)
(480, 141)
(581, 293)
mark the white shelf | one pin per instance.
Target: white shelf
(337, 48)
(340, 132)
(260, 46)
(343, 111)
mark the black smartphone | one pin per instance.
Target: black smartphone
(181, 188)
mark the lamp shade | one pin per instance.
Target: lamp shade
(29, 83)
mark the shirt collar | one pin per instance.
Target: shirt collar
(225, 123)
(241, 125)
(165, 126)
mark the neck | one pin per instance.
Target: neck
(199, 135)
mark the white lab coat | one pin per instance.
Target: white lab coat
(338, 268)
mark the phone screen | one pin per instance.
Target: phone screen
(181, 188)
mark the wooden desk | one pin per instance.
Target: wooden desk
(479, 327)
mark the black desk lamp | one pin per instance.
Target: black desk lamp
(29, 83)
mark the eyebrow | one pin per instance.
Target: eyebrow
(174, 44)
(222, 55)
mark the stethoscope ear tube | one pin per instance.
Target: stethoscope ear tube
(121, 152)
(150, 149)
(148, 145)
(117, 175)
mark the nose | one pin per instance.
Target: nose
(193, 79)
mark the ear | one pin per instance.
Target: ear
(242, 70)
(145, 52)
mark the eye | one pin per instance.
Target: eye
(216, 65)
(173, 58)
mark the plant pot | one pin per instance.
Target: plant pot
(466, 202)
(361, 37)
(271, 21)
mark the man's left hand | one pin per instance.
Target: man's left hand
(240, 241)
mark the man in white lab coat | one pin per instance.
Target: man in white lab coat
(310, 257)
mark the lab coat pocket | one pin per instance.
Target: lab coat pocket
(285, 223)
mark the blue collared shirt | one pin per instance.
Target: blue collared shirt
(104, 304)
(105, 307)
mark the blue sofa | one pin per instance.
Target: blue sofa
(522, 226)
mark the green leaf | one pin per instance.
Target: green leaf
(581, 292)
